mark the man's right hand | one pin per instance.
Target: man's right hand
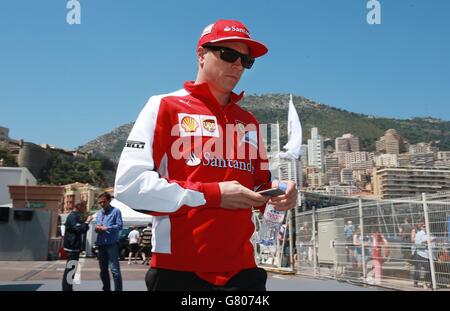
(234, 196)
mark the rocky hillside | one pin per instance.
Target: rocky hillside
(109, 145)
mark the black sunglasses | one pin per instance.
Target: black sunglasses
(229, 55)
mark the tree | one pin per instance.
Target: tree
(8, 158)
(59, 171)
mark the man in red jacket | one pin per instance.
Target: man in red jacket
(194, 160)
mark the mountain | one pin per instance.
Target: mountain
(109, 145)
(332, 122)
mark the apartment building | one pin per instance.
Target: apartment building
(389, 183)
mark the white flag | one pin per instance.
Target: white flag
(294, 144)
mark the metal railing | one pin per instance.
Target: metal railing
(383, 243)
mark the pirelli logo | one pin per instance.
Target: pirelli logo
(135, 144)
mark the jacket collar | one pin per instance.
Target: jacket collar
(203, 92)
(108, 209)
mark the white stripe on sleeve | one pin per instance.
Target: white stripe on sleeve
(137, 184)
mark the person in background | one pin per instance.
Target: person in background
(405, 231)
(380, 252)
(349, 229)
(421, 256)
(133, 238)
(357, 243)
(75, 228)
(146, 244)
(108, 225)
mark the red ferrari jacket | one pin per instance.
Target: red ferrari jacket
(181, 146)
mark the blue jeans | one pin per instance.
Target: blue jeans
(108, 255)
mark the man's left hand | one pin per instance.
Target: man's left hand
(100, 228)
(285, 201)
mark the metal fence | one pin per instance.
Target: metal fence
(401, 244)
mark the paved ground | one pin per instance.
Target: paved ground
(46, 276)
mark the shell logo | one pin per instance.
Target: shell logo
(189, 124)
(209, 125)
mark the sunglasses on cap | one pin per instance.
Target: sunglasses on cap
(229, 55)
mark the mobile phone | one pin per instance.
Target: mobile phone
(281, 189)
(271, 192)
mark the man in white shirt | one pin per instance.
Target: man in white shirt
(133, 238)
(420, 253)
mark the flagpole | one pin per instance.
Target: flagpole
(278, 137)
(292, 154)
(295, 212)
(278, 252)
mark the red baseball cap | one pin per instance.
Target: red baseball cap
(231, 31)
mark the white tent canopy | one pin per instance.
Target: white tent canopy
(131, 217)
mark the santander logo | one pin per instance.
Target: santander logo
(193, 160)
(237, 29)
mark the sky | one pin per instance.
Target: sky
(67, 84)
